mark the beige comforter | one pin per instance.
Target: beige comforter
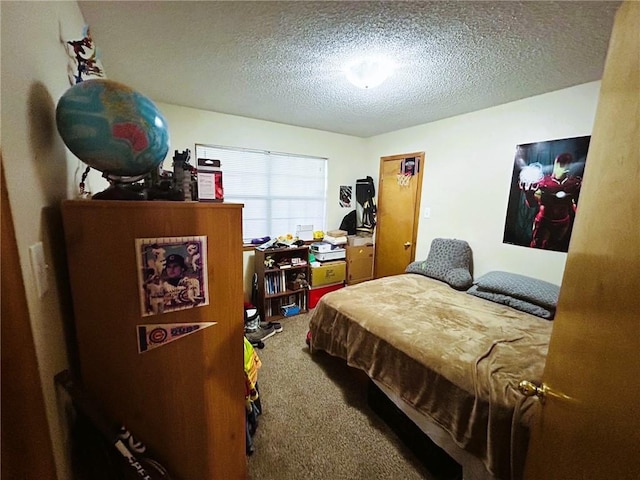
(456, 358)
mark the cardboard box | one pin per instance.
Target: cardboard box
(210, 187)
(359, 264)
(328, 273)
(357, 240)
(315, 294)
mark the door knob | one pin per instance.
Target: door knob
(529, 389)
(407, 244)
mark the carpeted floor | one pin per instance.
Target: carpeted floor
(316, 423)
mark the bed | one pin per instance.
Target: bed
(451, 360)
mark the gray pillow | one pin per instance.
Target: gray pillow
(512, 302)
(525, 288)
(449, 261)
(416, 267)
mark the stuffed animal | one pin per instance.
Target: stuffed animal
(299, 281)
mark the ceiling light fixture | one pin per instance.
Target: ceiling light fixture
(368, 72)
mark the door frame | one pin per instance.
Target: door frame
(27, 449)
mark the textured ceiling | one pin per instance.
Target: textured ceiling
(282, 61)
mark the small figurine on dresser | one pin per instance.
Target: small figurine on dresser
(269, 261)
(182, 173)
(298, 281)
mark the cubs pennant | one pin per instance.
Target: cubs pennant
(156, 335)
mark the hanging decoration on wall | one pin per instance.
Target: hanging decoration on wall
(544, 192)
(172, 273)
(84, 62)
(408, 168)
(155, 335)
(345, 196)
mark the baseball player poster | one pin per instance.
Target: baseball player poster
(172, 273)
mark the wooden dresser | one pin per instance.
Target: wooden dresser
(359, 263)
(184, 399)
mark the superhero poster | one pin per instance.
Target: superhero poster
(172, 273)
(544, 193)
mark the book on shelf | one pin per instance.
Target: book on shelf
(275, 282)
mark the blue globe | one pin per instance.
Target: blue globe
(112, 128)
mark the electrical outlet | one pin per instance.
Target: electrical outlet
(426, 212)
(40, 268)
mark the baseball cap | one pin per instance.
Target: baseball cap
(177, 259)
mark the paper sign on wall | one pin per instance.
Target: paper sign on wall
(156, 335)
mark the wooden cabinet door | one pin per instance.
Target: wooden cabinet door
(359, 264)
(183, 399)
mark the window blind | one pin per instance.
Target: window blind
(279, 190)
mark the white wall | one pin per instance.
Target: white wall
(40, 174)
(468, 168)
(188, 126)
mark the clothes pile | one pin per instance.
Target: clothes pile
(253, 404)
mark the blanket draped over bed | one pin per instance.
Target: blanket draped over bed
(454, 357)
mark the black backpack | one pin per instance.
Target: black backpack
(365, 206)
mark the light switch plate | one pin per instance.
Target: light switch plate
(40, 268)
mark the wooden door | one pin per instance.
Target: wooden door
(26, 446)
(398, 213)
(589, 426)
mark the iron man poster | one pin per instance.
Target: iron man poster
(544, 193)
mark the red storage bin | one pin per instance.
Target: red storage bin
(316, 293)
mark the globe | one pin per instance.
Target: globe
(113, 129)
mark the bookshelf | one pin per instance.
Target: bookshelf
(277, 270)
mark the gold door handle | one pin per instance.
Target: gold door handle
(530, 389)
(407, 244)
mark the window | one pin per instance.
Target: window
(279, 190)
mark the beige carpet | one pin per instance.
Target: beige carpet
(316, 423)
